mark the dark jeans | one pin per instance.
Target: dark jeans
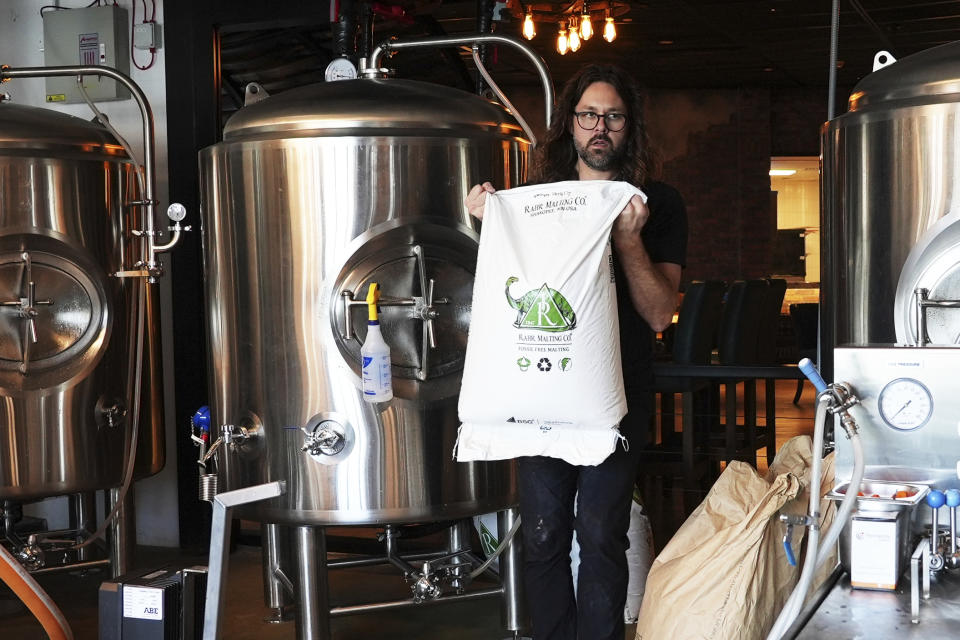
(547, 490)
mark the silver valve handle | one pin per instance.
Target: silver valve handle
(324, 441)
(25, 306)
(921, 303)
(424, 309)
(935, 499)
(427, 314)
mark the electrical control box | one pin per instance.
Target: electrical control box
(94, 36)
(166, 604)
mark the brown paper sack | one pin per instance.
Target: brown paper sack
(725, 575)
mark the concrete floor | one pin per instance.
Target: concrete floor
(245, 611)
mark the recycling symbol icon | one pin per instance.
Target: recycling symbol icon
(544, 364)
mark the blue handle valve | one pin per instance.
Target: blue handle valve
(936, 499)
(952, 497)
(792, 559)
(201, 419)
(810, 370)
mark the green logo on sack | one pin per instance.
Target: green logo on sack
(488, 541)
(523, 362)
(544, 309)
(565, 364)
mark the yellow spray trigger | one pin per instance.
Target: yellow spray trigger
(373, 297)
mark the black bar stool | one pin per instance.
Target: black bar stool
(676, 453)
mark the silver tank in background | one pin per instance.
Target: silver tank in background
(312, 195)
(891, 171)
(65, 324)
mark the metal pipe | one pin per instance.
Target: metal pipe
(274, 594)
(458, 542)
(149, 160)
(121, 531)
(953, 532)
(313, 592)
(392, 556)
(372, 561)
(83, 518)
(832, 82)
(74, 566)
(511, 606)
(373, 62)
(403, 604)
(921, 317)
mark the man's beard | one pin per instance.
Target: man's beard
(603, 158)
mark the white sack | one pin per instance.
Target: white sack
(542, 373)
(639, 559)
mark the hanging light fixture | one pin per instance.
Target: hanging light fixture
(529, 29)
(574, 37)
(609, 31)
(586, 27)
(562, 42)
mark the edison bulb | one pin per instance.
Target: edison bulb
(609, 31)
(586, 27)
(529, 29)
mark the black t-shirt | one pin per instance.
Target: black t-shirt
(665, 238)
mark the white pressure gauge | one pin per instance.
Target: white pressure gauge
(905, 404)
(340, 69)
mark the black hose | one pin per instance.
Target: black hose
(484, 25)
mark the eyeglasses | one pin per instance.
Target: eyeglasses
(588, 120)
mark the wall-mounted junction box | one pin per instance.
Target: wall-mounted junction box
(91, 36)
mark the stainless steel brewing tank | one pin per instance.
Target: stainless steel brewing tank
(65, 338)
(890, 171)
(312, 195)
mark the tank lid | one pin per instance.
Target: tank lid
(29, 129)
(336, 108)
(923, 77)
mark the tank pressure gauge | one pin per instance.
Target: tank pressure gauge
(340, 69)
(176, 212)
(905, 404)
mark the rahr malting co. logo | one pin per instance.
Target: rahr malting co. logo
(542, 309)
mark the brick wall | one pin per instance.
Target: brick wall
(796, 116)
(722, 171)
(716, 148)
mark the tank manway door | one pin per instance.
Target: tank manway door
(52, 315)
(425, 272)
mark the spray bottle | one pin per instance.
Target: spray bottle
(375, 353)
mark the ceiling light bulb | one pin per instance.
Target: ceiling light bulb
(562, 44)
(586, 27)
(574, 39)
(609, 31)
(529, 30)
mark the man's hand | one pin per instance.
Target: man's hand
(477, 199)
(631, 220)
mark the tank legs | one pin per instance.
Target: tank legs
(121, 534)
(83, 518)
(511, 608)
(277, 589)
(458, 539)
(313, 589)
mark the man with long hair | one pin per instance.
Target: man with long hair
(598, 133)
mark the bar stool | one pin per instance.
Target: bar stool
(738, 345)
(676, 454)
(805, 317)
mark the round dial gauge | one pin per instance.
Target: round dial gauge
(340, 69)
(905, 404)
